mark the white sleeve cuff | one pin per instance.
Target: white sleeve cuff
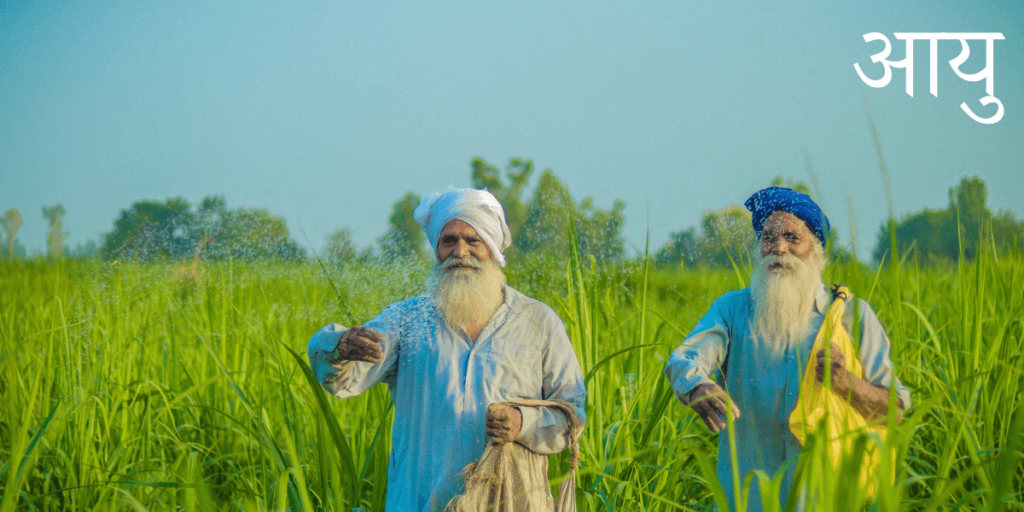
(531, 416)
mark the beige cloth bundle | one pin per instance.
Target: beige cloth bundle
(510, 477)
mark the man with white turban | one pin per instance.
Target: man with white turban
(756, 343)
(451, 357)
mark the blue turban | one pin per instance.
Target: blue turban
(772, 199)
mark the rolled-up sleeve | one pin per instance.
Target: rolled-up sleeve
(702, 353)
(874, 354)
(544, 429)
(345, 378)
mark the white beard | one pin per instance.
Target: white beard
(466, 296)
(783, 297)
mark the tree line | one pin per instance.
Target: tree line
(175, 229)
(539, 225)
(55, 235)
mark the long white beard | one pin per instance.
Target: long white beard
(783, 297)
(466, 296)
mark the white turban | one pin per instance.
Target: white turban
(478, 208)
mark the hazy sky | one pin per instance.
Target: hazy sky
(326, 113)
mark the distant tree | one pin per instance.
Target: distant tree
(798, 186)
(681, 249)
(967, 203)
(11, 223)
(938, 235)
(340, 248)
(600, 231)
(518, 172)
(539, 229)
(152, 230)
(727, 235)
(172, 229)
(1007, 232)
(56, 234)
(546, 229)
(251, 234)
(405, 238)
(725, 238)
(211, 215)
(85, 250)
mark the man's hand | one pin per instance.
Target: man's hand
(712, 404)
(361, 344)
(503, 422)
(841, 378)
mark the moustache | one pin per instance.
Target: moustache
(454, 264)
(785, 262)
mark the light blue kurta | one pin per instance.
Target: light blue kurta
(441, 385)
(763, 381)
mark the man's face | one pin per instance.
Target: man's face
(787, 275)
(785, 234)
(459, 240)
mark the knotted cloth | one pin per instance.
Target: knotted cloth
(478, 208)
(510, 477)
(772, 199)
(851, 439)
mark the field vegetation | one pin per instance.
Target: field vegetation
(157, 386)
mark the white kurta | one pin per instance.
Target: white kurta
(763, 380)
(441, 385)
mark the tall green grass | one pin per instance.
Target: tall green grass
(123, 388)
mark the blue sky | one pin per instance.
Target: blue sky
(326, 113)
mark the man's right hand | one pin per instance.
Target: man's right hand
(712, 404)
(361, 344)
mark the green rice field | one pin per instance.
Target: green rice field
(126, 386)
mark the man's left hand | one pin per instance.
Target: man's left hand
(503, 422)
(841, 383)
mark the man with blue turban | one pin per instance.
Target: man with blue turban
(452, 357)
(756, 343)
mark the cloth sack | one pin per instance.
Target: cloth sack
(843, 423)
(510, 477)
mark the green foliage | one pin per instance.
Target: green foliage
(547, 219)
(340, 247)
(56, 234)
(12, 248)
(542, 236)
(252, 234)
(518, 172)
(125, 389)
(727, 235)
(405, 238)
(600, 231)
(11, 223)
(85, 250)
(151, 230)
(681, 249)
(798, 186)
(538, 227)
(725, 239)
(939, 235)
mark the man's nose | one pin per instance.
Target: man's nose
(461, 249)
(778, 246)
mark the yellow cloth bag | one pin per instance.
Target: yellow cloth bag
(814, 401)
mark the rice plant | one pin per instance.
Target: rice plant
(134, 387)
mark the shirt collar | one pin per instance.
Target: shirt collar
(513, 299)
